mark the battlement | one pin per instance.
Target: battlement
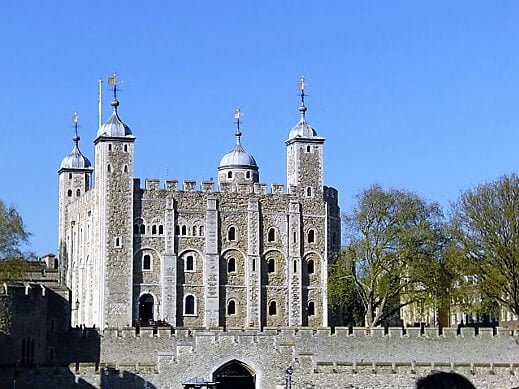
(152, 184)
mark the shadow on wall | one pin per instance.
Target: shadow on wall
(62, 377)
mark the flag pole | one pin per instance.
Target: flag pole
(100, 104)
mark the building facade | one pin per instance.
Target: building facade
(231, 255)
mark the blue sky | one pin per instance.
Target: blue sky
(422, 96)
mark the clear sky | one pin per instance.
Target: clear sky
(415, 95)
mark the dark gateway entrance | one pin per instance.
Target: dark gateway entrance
(146, 310)
(234, 375)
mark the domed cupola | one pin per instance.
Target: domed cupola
(75, 160)
(238, 166)
(114, 127)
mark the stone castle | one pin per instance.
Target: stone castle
(235, 256)
(210, 287)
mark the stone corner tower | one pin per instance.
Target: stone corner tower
(114, 163)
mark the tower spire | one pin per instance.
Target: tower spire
(302, 107)
(237, 116)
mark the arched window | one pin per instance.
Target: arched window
(231, 233)
(311, 308)
(184, 230)
(143, 229)
(146, 262)
(247, 175)
(154, 230)
(109, 168)
(126, 168)
(311, 236)
(69, 193)
(201, 231)
(271, 265)
(161, 229)
(231, 307)
(310, 266)
(231, 265)
(273, 309)
(78, 193)
(309, 192)
(70, 176)
(125, 148)
(194, 230)
(307, 149)
(229, 175)
(189, 305)
(190, 263)
(118, 242)
(272, 235)
(109, 147)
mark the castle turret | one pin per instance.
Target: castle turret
(304, 156)
(114, 149)
(237, 166)
(75, 175)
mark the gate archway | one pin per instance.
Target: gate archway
(146, 310)
(235, 374)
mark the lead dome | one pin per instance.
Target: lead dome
(114, 127)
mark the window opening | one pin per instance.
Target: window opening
(272, 235)
(311, 236)
(154, 230)
(201, 231)
(310, 267)
(126, 168)
(189, 307)
(231, 235)
(231, 265)
(146, 262)
(311, 308)
(307, 149)
(190, 263)
(69, 193)
(78, 193)
(70, 176)
(254, 264)
(273, 308)
(184, 230)
(271, 265)
(309, 192)
(109, 169)
(161, 229)
(295, 266)
(109, 147)
(231, 308)
(125, 148)
(229, 175)
(248, 174)
(194, 230)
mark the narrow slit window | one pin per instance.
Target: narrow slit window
(295, 266)
(78, 193)
(311, 236)
(184, 230)
(154, 230)
(161, 229)
(69, 193)
(309, 192)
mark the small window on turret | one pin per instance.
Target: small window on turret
(231, 233)
(308, 149)
(273, 308)
(247, 174)
(231, 265)
(161, 229)
(109, 147)
(311, 236)
(146, 262)
(272, 235)
(109, 169)
(118, 242)
(70, 176)
(78, 193)
(126, 168)
(310, 267)
(69, 193)
(229, 175)
(271, 266)
(311, 308)
(125, 148)
(309, 192)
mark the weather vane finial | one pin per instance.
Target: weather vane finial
(114, 81)
(302, 94)
(75, 120)
(237, 116)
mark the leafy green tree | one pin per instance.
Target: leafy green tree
(485, 226)
(392, 258)
(12, 232)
